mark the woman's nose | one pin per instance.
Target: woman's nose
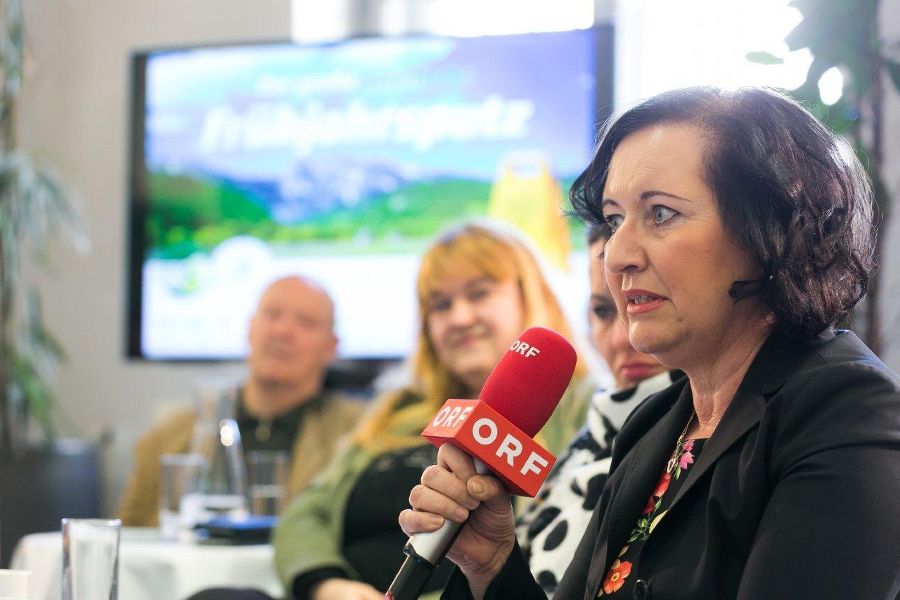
(461, 312)
(624, 251)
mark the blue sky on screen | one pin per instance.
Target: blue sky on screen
(450, 107)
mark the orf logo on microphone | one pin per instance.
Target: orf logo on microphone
(524, 348)
(510, 454)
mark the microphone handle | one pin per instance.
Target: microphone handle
(424, 552)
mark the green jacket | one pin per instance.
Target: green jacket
(310, 532)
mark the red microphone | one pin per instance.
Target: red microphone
(497, 430)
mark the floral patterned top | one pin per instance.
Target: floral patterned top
(618, 582)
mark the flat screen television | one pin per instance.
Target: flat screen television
(340, 161)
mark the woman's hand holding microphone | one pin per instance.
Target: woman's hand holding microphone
(452, 490)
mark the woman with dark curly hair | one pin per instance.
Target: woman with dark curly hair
(742, 236)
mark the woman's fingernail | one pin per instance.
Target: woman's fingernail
(435, 521)
(460, 515)
(477, 487)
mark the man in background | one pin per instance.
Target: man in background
(281, 406)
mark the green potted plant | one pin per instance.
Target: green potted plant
(41, 478)
(844, 34)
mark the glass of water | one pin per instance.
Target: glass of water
(90, 559)
(179, 477)
(267, 481)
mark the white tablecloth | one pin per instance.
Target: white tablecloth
(153, 569)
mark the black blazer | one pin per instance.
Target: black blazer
(796, 495)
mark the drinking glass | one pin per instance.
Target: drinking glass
(90, 559)
(267, 481)
(179, 477)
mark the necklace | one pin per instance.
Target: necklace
(263, 430)
(673, 466)
(686, 427)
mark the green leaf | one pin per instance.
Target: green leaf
(37, 396)
(838, 33)
(46, 348)
(764, 58)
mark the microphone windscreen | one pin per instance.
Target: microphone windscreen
(528, 382)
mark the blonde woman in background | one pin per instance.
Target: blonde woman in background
(478, 287)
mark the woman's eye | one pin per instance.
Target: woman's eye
(662, 214)
(439, 305)
(477, 294)
(613, 221)
(604, 312)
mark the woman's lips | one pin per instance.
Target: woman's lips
(642, 301)
(465, 341)
(637, 371)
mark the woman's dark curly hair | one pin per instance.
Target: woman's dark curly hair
(793, 195)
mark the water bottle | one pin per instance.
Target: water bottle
(222, 488)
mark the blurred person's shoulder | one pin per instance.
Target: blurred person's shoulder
(340, 403)
(170, 434)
